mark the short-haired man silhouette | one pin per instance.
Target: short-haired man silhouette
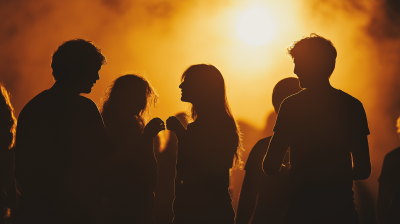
(263, 198)
(326, 130)
(61, 142)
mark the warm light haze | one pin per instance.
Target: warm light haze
(245, 40)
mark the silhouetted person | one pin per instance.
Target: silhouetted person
(388, 204)
(133, 173)
(8, 196)
(164, 191)
(61, 142)
(264, 197)
(206, 150)
(326, 130)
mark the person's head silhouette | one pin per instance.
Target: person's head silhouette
(129, 95)
(204, 87)
(314, 58)
(283, 89)
(76, 64)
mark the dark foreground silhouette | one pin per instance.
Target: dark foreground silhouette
(133, 169)
(326, 130)
(164, 191)
(263, 199)
(206, 150)
(61, 143)
(8, 197)
(388, 204)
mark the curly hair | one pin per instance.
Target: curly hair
(314, 46)
(8, 122)
(131, 94)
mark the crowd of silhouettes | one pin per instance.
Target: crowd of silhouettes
(76, 164)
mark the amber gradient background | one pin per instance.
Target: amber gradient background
(161, 38)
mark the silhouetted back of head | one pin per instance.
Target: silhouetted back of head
(316, 54)
(75, 56)
(283, 89)
(7, 119)
(129, 95)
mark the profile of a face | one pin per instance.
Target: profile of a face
(191, 89)
(303, 70)
(86, 78)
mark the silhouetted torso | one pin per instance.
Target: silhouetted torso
(60, 146)
(391, 174)
(319, 125)
(205, 156)
(133, 175)
(7, 181)
(166, 161)
(165, 183)
(271, 199)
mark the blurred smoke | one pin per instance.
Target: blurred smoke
(162, 37)
(379, 37)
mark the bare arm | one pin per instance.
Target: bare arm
(275, 154)
(361, 159)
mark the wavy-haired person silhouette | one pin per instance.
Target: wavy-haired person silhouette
(326, 130)
(133, 171)
(8, 196)
(264, 197)
(206, 150)
(61, 142)
(388, 204)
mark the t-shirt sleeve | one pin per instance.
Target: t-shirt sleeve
(390, 170)
(283, 119)
(360, 120)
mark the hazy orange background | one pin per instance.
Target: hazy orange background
(161, 38)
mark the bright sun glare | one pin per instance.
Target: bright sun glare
(255, 27)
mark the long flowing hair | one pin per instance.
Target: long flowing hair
(7, 119)
(210, 78)
(128, 97)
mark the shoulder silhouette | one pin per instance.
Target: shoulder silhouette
(133, 167)
(61, 142)
(206, 149)
(326, 130)
(388, 204)
(263, 198)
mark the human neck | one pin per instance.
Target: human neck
(64, 87)
(321, 85)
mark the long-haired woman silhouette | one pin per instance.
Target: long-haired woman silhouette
(206, 150)
(133, 173)
(7, 139)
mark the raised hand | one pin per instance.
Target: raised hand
(153, 128)
(173, 124)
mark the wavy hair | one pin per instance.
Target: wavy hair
(8, 122)
(129, 96)
(211, 78)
